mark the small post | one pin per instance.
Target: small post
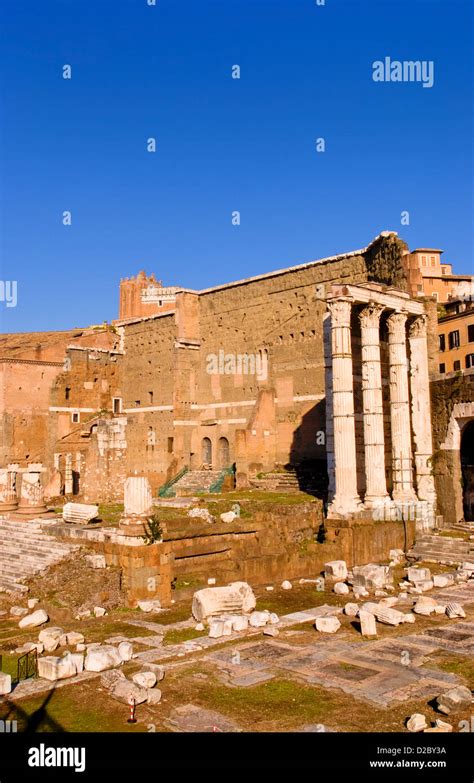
(132, 718)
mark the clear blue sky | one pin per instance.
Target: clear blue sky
(222, 144)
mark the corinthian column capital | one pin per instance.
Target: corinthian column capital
(340, 310)
(370, 315)
(418, 327)
(396, 323)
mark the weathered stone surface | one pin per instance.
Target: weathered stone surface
(240, 623)
(153, 696)
(73, 637)
(351, 610)
(389, 616)
(270, 630)
(415, 574)
(201, 513)
(145, 679)
(340, 588)
(124, 691)
(455, 610)
(389, 602)
(259, 619)
(99, 611)
(79, 513)
(18, 611)
(443, 580)
(156, 668)
(368, 625)
(327, 624)
(336, 569)
(33, 620)
(218, 628)
(455, 699)
(96, 561)
(235, 598)
(417, 722)
(78, 661)
(150, 606)
(54, 631)
(53, 668)
(425, 605)
(286, 585)
(5, 683)
(372, 576)
(101, 658)
(228, 516)
(408, 618)
(125, 651)
(50, 643)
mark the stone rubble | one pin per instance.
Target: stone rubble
(236, 598)
(458, 698)
(34, 620)
(327, 624)
(336, 570)
(417, 722)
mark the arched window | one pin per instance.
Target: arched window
(223, 453)
(206, 451)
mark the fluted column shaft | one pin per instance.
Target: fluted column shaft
(346, 499)
(421, 409)
(402, 460)
(372, 403)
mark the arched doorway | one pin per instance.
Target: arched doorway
(206, 451)
(467, 468)
(223, 453)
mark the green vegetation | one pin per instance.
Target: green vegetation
(178, 635)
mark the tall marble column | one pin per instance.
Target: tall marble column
(68, 481)
(374, 441)
(421, 409)
(346, 499)
(32, 493)
(402, 460)
(138, 505)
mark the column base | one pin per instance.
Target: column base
(133, 526)
(6, 508)
(343, 506)
(32, 511)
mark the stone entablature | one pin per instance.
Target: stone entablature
(408, 405)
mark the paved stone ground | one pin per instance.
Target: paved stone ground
(381, 672)
(189, 717)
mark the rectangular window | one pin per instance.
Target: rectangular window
(170, 445)
(469, 361)
(453, 340)
(117, 404)
(442, 368)
(150, 397)
(470, 333)
(423, 260)
(443, 272)
(433, 262)
(75, 418)
(456, 366)
(442, 342)
(67, 392)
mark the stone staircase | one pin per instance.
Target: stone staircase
(195, 481)
(442, 549)
(26, 549)
(277, 482)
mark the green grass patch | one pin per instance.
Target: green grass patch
(178, 635)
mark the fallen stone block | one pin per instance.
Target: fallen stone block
(390, 602)
(79, 513)
(18, 611)
(240, 623)
(125, 650)
(99, 611)
(458, 698)
(145, 679)
(389, 616)
(443, 580)
(153, 696)
(33, 620)
(5, 684)
(32, 602)
(259, 619)
(200, 513)
(417, 723)
(84, 614)
(228, 516)
(351, 610)
(236, 598)
(408, 618)
(286, 585)
(218, 628)
(425, 585)
(372, 576)
(101, 658)
(78, 661)
(124, 691)
(156, 668)
(152, 605)
(425, 606)
(340, 588)
(327, 624)
(270, 630)
(50, 643)
(73, 637)
(273, 618)
(467, 568)
(415, 574)
(53, 668)
(440, 609)
(455, 610)
(53, 631)
(336, 570)
(368, 625)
